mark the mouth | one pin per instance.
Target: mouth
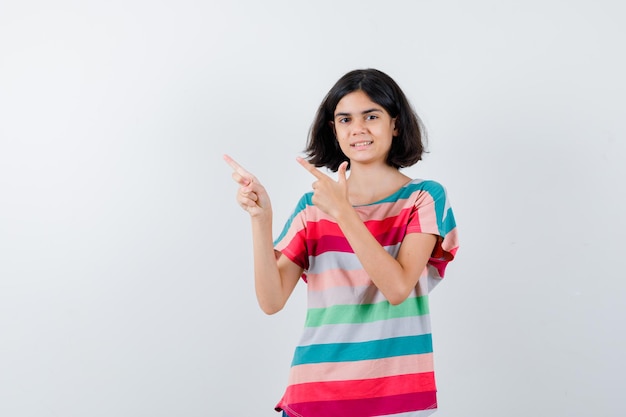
(361, 144)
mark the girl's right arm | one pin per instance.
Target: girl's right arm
(275, 276)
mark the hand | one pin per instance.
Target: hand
(251, 196)
(329, 195)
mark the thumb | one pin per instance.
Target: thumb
(341, 171)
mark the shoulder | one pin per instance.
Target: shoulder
(306, 200)
(419, 186)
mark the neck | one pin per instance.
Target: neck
(368, 184)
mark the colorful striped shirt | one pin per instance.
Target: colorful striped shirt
(359, 355)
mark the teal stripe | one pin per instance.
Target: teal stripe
(440, 197)
(406, 191)
(438, 194)
(364, 313)
(446, 226)
(350, 352)
(304, 202)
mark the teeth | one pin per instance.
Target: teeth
(361, 143)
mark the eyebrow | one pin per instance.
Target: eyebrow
(363, 112)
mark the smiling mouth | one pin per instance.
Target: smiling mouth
(359, 144)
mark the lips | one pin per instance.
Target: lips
(361, 144)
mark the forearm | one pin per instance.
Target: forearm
(267, 280)
(385, 271)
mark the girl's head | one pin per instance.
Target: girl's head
(407, 147)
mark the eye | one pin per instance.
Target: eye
(371, 117)
(343, 120)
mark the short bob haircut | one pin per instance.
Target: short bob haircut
(322, 147)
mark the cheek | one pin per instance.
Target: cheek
(341, 135)
(342, 143)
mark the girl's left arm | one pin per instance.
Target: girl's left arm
(394, 277)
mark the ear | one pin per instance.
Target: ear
(394, 124)
(332, 126)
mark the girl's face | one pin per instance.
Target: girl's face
(363, 128)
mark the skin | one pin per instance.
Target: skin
(365, 133)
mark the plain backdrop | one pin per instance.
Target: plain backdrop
(125, 262)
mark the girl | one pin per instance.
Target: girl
(370, 247)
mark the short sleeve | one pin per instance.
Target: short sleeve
(292, 240)
(433, 214)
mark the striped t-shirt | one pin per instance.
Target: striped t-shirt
(359, 355)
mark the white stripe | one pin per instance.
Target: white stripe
(341, 260)
(360, 295)
(364, 332)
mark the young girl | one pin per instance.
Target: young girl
(370, 247)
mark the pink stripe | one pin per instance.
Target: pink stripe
(444, 252)
(366, 407)
(361, 388)
(379, 227)
(292, 253)
(374, 212)
(425, 219)
(338, 278)
(451, 242)
(328, 243)
(384, 210)
(324, 227)
(332, 371)
(342, 278)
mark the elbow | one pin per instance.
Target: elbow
(270, 312)
(394, 301)
(398, 297)
(270, 309)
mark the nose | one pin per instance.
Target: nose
(358, 127)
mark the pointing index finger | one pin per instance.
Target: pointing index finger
(236, 167)
(311, 168)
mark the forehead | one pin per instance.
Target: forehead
(356, 102)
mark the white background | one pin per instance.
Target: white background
(125, 262)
